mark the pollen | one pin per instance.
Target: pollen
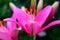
(35, 10)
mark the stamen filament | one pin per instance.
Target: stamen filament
(31, 10)
(0, 23)
(35, 11)
(26, 10)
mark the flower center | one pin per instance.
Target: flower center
(32, 7)
(32, 10)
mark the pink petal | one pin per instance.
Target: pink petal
(3, 29)
(43, 15)
(5, 36)
(15, 34)
(11, 20)
(51, 24)
(32, 28)
(21, 17)
(40, 5)
(12, 6)
(54, 10)
(19, 14)
(11, 26)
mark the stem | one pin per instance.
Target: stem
(34, 37)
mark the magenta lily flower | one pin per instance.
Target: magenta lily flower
(9, 32)
(34, 24)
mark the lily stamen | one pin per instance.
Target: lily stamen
(26, 10)
(31, 10)
(2, 23)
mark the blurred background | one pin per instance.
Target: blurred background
(52, 33)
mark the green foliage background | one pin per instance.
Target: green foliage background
(53, 33)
